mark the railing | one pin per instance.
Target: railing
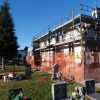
(80, 9)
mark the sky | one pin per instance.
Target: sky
(32, 16)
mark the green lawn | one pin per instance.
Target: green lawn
(38, 87)
(10, 67)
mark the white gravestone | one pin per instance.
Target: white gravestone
(55, 70)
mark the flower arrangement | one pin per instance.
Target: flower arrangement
(59, 75)
(77, 94)
(19, 97)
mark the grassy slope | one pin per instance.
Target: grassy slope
(38, 87)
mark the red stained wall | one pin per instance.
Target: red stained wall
(67, 64)
(30, 60)
(92, 71)
(68, 67)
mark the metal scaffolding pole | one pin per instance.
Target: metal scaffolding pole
(62, 39)
(82, 42)
(73, 29)
(55, 45)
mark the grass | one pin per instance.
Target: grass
(10, 67)
(37, 87)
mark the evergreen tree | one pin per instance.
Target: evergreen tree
(8, 39)
(26, 48)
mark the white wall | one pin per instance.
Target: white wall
(30, 51)
(47, 43)
(77, 49)
(52, 41)
(71, 35)
(42, 44)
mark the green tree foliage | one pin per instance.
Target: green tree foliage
(8, 39)
(26, 48)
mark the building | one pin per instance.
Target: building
(30, 57)
(21, 56)
(72, 42)
(30, 51)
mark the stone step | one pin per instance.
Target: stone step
(94, 96)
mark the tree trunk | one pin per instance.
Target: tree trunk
(3, 63)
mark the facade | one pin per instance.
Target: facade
(73, 43)
(21, 55)
(30, 51)
(30, 56)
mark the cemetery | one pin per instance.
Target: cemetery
(64, 63)
(54, 85)
(72, 42)
(70, 49)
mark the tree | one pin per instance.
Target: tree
(8, 40)
(26, 48)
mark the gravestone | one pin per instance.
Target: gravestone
(55, 70)
(13, 93)
(59, 91)
(89, 86)
(28, 71)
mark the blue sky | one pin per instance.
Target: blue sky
(32, 16)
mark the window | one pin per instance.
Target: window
(20, 56)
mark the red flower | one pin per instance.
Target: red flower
(25, 97)
(75, 90)
(70, 90)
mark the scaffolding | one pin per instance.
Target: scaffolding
(75, 17)
(69, 22)
(72, 18)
